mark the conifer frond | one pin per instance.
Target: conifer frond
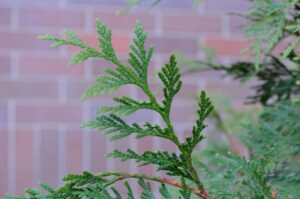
(126, 106)
(139, 57)
(105, 42)
(205, 108)
(73, 40)
(113, 124)
(174, 165)
(170, 77)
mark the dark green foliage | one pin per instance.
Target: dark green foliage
(174, 165)
(269, 23)
(276, 81)
(205, 108)
(170, 77)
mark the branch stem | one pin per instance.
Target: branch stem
(119, 176)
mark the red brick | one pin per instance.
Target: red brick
(24, 160)
(49, 114)
(5, 15)
(236, 24)
(140, 116)
(168, 45)
(184, 113)
(5, 65)
(167, 145)
(74, 149)
(3, 114)
(23, 41)
(126, 21)
(37, 2)
(191, 23)
(51, 17)
(48, 67)
(28, 89)
(188, 91)
(49, 156)
(74, 89)
(3, 162)
(170, 4)
(227, 47)
(96, 2)
(226, 6)
(98, 66)
(98, 144)
(120, 42)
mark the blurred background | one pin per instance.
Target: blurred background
(40, 106)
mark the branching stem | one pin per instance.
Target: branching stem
(119, 176)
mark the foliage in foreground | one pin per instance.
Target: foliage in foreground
(110, 121)
(271, 169)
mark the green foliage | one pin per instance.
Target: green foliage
(205, 108)
(109, 120)
(171, 163)
(268, 22)
(272, 164)
(170, 78)
(277, 81)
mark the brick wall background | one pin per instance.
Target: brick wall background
(40, 109)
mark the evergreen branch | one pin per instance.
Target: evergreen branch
(139, 57)
(174, 165)
(170, 77)
(73, 40)
(205, 108)
(105, 44)
(112, 123)
(136, 74)
(126, 106)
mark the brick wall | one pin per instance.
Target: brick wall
(40, 109)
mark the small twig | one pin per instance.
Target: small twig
(121, 176)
